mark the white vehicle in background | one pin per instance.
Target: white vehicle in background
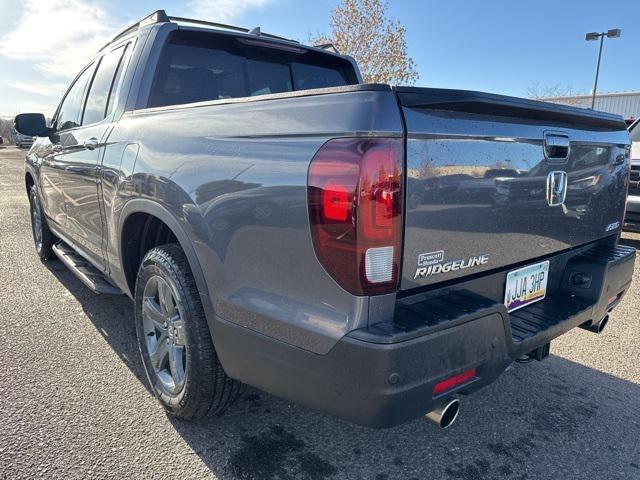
(22, 141)
(632, 217)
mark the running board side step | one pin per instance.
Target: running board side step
(86, 273)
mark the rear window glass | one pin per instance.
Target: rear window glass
(266, 77)
(196, 67)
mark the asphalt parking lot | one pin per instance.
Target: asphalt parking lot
(74, 401)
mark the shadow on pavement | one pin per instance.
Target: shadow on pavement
(111, 315)
(632, 242)
(556, 419)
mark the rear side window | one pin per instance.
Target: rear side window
(100, 98)
(197, 66)
(70, 110)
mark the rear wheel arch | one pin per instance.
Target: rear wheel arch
(159, 225)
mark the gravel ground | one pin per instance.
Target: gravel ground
(75, 404)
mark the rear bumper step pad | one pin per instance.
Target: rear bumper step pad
(609, 269)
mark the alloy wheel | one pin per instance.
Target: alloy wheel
(163, 325)
(36, 222)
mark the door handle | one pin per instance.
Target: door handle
(91, 143)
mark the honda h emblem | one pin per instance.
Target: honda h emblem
(556, 188)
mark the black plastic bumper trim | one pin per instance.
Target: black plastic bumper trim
(381, 378)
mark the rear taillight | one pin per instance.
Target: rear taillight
(355, 210)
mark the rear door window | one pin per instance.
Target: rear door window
(197, 66)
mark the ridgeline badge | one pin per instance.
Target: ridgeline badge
(430, 264)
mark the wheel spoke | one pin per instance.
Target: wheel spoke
(153, 311)
(176, 366)
(159, 356)
(165, 298)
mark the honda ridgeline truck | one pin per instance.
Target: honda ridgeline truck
(368, 251)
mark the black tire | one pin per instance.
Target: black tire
(198, 385)
(43, 238)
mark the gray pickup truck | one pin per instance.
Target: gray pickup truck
(632, 217)
(368, 251)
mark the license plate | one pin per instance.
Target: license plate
(526, 286)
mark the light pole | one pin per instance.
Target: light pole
(613, 33)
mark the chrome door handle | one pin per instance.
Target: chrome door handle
(91, 143)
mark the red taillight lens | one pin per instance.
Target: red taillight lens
(336, 202)
(355, 210)
(452, 382)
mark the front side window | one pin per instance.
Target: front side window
(196, 67)
(104, 83)
(70, 111)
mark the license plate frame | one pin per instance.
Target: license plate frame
(518, 289)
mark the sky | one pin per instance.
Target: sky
(499, 46)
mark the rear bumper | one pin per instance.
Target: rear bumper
(385, 374)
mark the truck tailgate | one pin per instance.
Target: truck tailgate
(496, 181)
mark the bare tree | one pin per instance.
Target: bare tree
(549, 91)
(557, 93)
(362, 29)
(6, 128)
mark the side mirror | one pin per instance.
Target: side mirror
(31, 124)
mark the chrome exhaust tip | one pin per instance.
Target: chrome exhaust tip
(596, 327)
(445, 414)
(603, 323)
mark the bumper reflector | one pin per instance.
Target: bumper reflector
(452, 382)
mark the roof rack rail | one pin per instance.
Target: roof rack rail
(160, 16)
(254, 31)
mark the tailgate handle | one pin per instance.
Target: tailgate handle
(556, 146)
